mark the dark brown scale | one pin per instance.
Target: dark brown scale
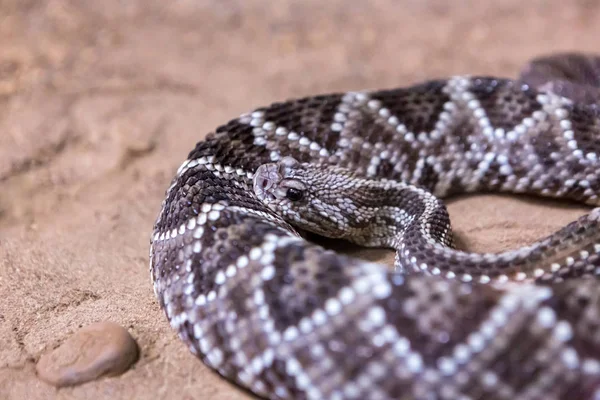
(427, 342)
(569, 307)
(338, 346)
(224, 344)
(385, 169)
(586, 134)
(505, 105)
(287, 304)
(309, 117)
(416, 108)
(428, 178)
(237, 299)
(493, 178)
(278, 377)
(544, 146)
(396, 389)
(212, 259)
(521, 367)
(373, 128)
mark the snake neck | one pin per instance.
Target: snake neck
(381, 212)
(416, 224)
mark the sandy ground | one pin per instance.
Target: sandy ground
(101, 101)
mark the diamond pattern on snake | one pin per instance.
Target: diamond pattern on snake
(287, 319)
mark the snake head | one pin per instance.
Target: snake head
(307, 196)
(274, 183)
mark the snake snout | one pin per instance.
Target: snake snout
(265, 181)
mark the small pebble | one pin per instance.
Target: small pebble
(96, 350)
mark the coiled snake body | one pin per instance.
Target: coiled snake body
(286, 318)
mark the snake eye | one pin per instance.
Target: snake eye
(294, 194)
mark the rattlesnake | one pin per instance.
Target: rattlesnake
(285, 318)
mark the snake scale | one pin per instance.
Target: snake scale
(286, 318)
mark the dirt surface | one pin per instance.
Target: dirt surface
(101, 101)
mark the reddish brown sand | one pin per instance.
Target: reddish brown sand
(101, 101)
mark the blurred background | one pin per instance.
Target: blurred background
(100, 102)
